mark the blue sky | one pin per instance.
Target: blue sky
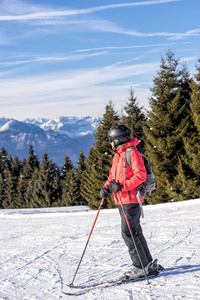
(70, 57)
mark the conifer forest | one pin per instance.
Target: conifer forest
(169, 132)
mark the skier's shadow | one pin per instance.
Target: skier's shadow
(180, 270)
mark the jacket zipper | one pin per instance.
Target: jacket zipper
(129, 193)
(116, 173)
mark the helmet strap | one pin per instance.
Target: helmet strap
(113, 145)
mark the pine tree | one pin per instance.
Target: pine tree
(30, 166)
(22, 200)
(168, 122)
(22, 185)
(69, 183)
(99, 159)
(1, 190)
(54, 184)
(9, 193)
(3, 157)
(66, 167)
(192, 143)
(184, 183)
(24, 195)
(70, 188)
(80, 177)
(32, 190)
(5, 172)
(5, 160)
(16, 167)
(11, 176)
(41, 189)
(195, 103)
(74, 187)
(134, 118)
(32, 161)
(15, 171)
(89, 178)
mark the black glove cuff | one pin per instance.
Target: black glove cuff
(104, 192)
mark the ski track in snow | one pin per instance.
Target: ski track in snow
(39, 253)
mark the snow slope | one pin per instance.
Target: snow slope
(41, 248)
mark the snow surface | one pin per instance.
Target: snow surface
(41, 249)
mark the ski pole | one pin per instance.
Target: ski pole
(71, 284)
(134, 243)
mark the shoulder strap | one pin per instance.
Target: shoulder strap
(127, 159)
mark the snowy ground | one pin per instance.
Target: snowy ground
(41, 248)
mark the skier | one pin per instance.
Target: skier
(125, 192)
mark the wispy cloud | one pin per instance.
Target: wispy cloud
(98, 25)
(17, 7)
(106, 26)
(92, 103)
(12, 61)
(194, 32)
(70, 12)
(46, 17)
(128, 47)
(50, 59)
(63, 85)
(50, 94)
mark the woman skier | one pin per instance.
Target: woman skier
(126, 199)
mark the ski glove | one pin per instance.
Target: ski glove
(104, 193)
(116, 187)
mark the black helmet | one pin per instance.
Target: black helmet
(119, 134)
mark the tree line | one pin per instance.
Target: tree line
(169, 132)
(28, 183)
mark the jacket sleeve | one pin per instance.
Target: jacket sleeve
(138, 170)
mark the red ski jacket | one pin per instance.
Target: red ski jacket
(134, 176)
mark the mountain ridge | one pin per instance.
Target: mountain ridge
(58, 137)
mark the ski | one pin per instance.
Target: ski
(101, 285)
(91, 285)
(154, 268)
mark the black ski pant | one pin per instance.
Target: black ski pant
(133, 214)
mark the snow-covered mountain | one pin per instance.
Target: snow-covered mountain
(58, 137)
